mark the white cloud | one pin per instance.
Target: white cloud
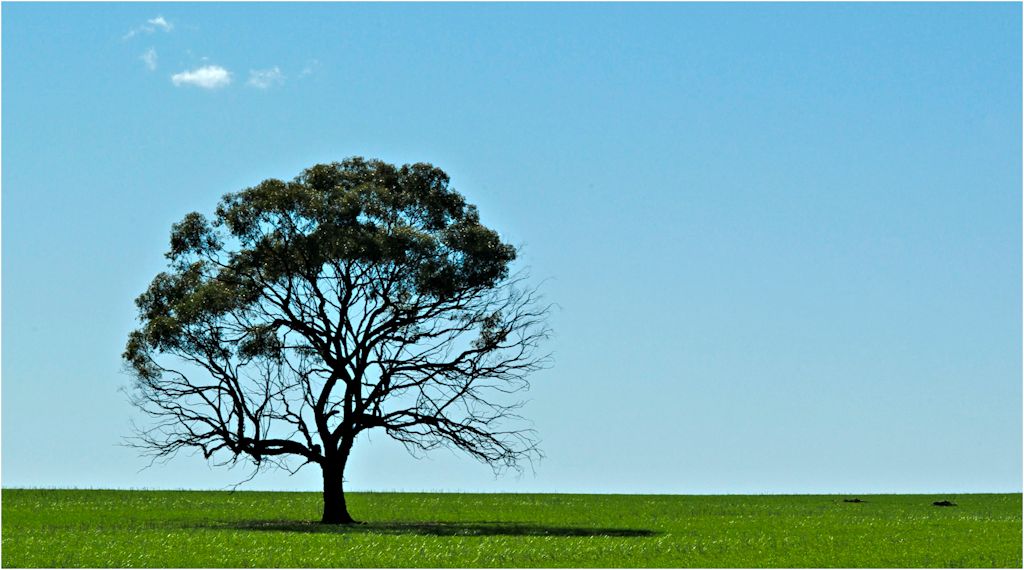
(161, 23)
(207, 77)
(149, 58)
(264, 78)
(149, 27)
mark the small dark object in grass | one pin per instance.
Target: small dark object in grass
(853, 501)
(944, 504)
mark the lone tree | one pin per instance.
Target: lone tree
(359, 295)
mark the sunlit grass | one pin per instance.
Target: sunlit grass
(61, 528)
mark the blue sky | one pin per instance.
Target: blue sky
(785, 239)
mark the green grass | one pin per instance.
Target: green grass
(61, 528)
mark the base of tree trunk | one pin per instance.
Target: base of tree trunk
(335, 508)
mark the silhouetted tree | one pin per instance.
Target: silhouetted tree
(359, 295)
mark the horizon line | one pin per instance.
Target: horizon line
(458, 492)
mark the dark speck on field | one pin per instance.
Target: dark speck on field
(854, 500)
(944, 504)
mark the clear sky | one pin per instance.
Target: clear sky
(785, 239)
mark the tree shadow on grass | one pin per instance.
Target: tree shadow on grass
(480, 528)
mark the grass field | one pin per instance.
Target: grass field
(61, 528)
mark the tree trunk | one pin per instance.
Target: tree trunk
(335, 509)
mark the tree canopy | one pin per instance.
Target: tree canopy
(359, 295)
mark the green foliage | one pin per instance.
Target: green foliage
(364, 212)
(253, 529)
(361, 212)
